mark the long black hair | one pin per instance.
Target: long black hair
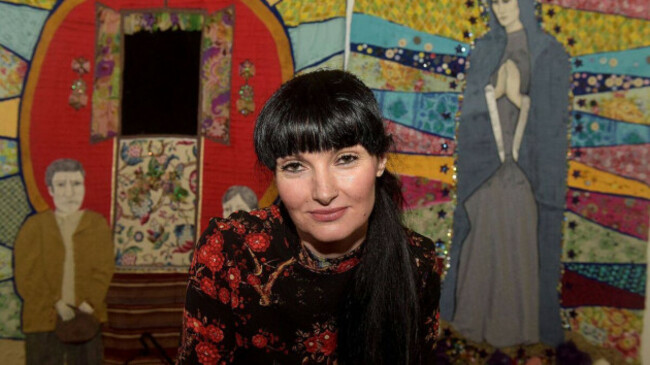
(333, 109)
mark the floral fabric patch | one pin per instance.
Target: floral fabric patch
(156, 196)
(216, 63)
(108, 73)
(12, 73)
(8, 157)
(10, 305)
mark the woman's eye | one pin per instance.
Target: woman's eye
(292, 167)
(347, 159)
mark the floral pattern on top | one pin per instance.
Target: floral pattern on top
(12, 73)
(155, 210)
(108, 73)
(256, 296)
(216, 64)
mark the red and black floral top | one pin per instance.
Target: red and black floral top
(256, 296)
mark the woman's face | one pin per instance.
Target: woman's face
(330, 195)
(506, 11)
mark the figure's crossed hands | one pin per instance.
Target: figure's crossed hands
(509, 83)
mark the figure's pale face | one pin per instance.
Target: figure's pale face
(329, 196)
(235, 203)
(507, 12)
(67, 191)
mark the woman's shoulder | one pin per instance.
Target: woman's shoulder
(255, 229)
(423, 250)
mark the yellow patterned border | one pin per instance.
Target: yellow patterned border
(43, 4)
(585, 32)
(431, 16)
(296, 12)
(585, 177)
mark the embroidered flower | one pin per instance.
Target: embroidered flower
(258, 242)
(347, 264)
(216, 240)
(222, 226)
(195, 324)
(252, 279)
(207, 353)
(207, 286)
(238, 227)
(261, 214)
(224, 295)
(327, 341)
(259, 341)
(214, 333)
(234, 277)
(234, 300)
(275, 212)
(209, 256)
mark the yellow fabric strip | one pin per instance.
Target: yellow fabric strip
(431, 167)
(584, 32)
(296, 12)
(585, 177)
(9, 117)
(430, 16)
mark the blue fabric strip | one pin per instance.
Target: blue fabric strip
(629, 62)
(369, 29)
(432, 113)
(20, 27)
(313, 42)
(588, 130)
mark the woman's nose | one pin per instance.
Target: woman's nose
(325, 188)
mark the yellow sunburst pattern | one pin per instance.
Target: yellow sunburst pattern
(296, 12)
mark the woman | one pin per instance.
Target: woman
(330, 275)
(501, 286)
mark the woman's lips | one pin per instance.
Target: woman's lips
(327, 215)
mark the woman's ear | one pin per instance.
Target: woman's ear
(381, 166)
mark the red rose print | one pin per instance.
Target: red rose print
(239, 340)
(207, 353)
(238, 227)
(211, 257)
(234, 277)
(207, 286)
(259, 341)
(275, 212)
(253, 280)
(214, 333)
(195, 324)
(234, 300)
(216, 240)
(222, 226)
(347, 264)
(327, 341)
(261, 214)
(224, 295)
(258, 242)
(311, 344)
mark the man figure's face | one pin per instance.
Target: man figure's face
(235, 203)
(67, 190)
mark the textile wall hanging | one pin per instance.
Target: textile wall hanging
(155, 207)
(135, 98)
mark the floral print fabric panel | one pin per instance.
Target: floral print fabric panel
(216, 63)
(12, 73)
(627, 161)
(431, 16)
(10, 305)
(296, 12)
(155, 207)
(631, 8)
(624, 214)
(106, 90)
(584, 32)
(8, 157)
(585, 241)
(409, 140)
(389, 75)
(632, 105)
(608, 327)
(160, 22)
